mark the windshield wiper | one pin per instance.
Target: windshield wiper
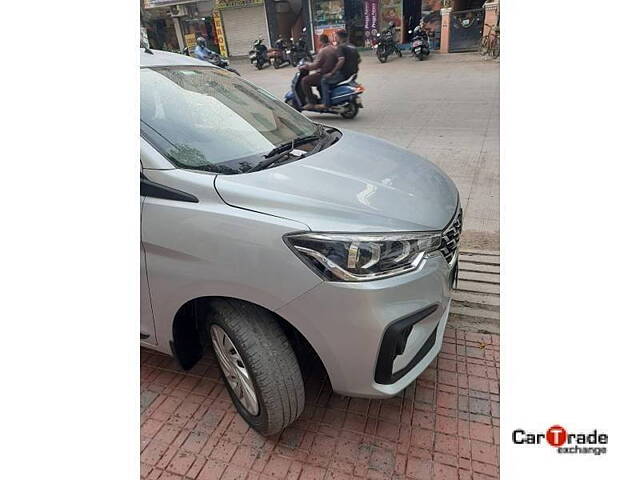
(288, 146)
(282, 151)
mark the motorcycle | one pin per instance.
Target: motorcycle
(258, 55)
(419, 44)
(221, 62)
(217, 60)
(345, 96)
(280, 55)
(386, 45)
(299, 50)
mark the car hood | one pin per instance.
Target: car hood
(359, 184)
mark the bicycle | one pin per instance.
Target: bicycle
(490, 44)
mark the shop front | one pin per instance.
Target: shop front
(243, 22)
(175, 25)
(363, 19)
(360, 18)
(240, 22)
(328, 17)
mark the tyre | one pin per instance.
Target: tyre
(351, 111)
(382, 56)
(421, 56)
(259, 366)
(277, 62)
(484, 45)
(495, 51)
(259, 65)
(399, 53)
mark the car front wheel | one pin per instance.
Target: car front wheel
(259, 366)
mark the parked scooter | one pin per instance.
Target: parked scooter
(215, 59)
(345, 96)
(258, 54)
(420, 43)
(299, 50)
(280, 55)
(386, 44)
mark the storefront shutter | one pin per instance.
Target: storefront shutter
(242, 26)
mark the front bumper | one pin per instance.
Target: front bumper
(350, 324)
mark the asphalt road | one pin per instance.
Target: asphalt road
(445, 108)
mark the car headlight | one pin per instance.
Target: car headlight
(362, 257)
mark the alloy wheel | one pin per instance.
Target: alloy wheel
(234, 369)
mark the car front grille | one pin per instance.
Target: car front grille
(451, 237)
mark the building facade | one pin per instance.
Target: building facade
(231, 26)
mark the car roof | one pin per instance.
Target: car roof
(160, 58)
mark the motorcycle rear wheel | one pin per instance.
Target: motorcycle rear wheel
(421, 56)
(351, 111)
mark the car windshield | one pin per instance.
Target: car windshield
(206, 119)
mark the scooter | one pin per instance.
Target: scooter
(220, 61)
(280, 55)
(345, 96)
(386, 45)
(419, 44)
(215, 59)
(258, 55)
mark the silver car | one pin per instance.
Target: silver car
(267, 236)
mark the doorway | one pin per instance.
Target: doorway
(411, 13)
(466, 27)
(286, 19)
(354, 21)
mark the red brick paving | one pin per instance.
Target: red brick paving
(444, 426)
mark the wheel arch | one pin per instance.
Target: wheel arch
(189, 336)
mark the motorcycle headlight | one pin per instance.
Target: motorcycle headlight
(361, 257)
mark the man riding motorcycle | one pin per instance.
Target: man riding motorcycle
(347, 65)
(201, 51)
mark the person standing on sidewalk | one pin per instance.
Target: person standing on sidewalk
(325, 62)
(347, 65)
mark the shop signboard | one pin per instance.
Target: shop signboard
(370, 13)
(190, 39)
(222, 4)
(217, 23)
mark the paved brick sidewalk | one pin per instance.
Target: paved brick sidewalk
(444, 426)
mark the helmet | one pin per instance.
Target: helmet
(201, 41)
